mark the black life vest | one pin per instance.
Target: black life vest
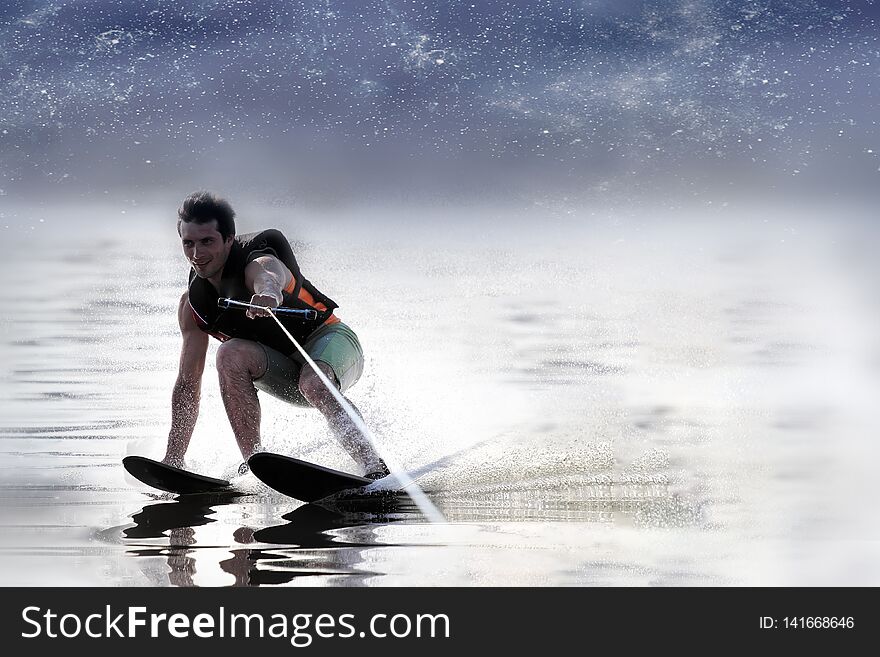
(226, 324)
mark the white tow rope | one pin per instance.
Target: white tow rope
(431, 512)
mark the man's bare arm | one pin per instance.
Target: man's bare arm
(266, 277)
(187, 389)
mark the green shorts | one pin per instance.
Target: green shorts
(334, 344)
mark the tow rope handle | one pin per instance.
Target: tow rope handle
(232, 304)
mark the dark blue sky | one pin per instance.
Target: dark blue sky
(323, 101)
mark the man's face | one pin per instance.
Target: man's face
(204, 247)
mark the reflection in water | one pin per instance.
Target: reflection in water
(228, 540)
(307, 544)
(185, 512)
(307, 526)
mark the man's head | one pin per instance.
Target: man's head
(206, 225)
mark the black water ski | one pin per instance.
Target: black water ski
(171, 479)
(301, 480)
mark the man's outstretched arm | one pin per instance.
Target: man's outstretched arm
(187, 389)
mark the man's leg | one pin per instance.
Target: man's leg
(346, 431)
(239, 362)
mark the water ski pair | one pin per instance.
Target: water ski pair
(298, 479)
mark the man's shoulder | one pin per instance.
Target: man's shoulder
(261, 238)
(269, 242)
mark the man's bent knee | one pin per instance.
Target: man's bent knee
(237, 355)
(311, 386)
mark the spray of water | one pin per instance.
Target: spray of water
(428, 509)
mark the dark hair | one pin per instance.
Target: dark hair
(203, 207)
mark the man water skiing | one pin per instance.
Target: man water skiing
(259, 269)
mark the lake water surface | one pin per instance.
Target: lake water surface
(589, 400)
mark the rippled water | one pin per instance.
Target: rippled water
(589, 401)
